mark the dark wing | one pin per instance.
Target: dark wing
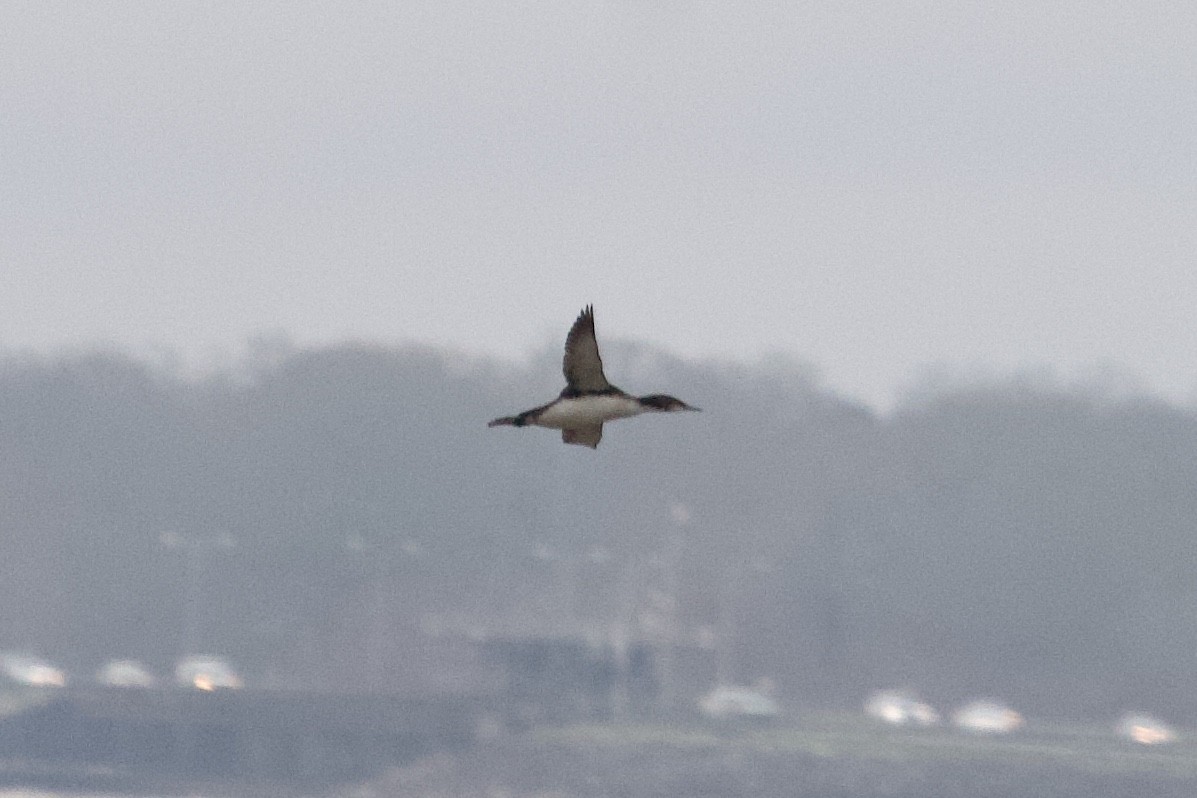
(583, 436)
(582, 365)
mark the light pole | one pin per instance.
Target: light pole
(378, 612)
(195, 550)
(680, 514)
(730, 612)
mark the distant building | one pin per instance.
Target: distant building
(560, 678)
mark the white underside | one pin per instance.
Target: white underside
(587, 410)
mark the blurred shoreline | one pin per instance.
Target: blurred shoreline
(595, 762)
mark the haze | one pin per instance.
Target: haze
(877, 189)
(330, 517)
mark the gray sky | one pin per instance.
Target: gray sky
(877, 188)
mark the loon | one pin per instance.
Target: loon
(588, 399)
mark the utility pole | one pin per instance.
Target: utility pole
(680, 514)
(195, 551)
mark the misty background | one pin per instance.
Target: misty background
(267, 269)
(335, 517)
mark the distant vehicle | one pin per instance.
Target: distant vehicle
(900, 708)
(125, 673)
(30, 670)
(207, 673)
(987, 717)
(1145, 729)
(732, 701)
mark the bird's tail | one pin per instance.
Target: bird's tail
(505, 421)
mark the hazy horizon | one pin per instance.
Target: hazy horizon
(622, 358)
(1034, 544)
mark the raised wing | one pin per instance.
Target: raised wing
(582, 365)
(583, 436)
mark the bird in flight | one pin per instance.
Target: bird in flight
(588, 399)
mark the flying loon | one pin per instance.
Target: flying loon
(588, 399)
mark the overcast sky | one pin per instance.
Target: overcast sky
(877, 188)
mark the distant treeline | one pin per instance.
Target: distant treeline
(317, 513)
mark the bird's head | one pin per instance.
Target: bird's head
(660, 403)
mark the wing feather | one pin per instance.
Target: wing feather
(583, 436)
(582, 365)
